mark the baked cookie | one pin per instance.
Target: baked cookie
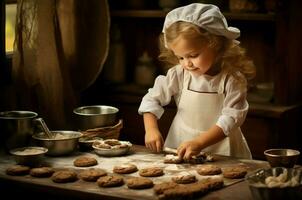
(208, 170)
(234, 172)
(92, 175)
(17, 170)
(41, 172)
(112, 142)
(125, 169)
(151, 172)
(64, 176)
(160, 188)
(184, 178)
(110, 181)
(85, 161)
(172, 159)
(139, 183)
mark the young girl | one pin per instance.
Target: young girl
(208, 83)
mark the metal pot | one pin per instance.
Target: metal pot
(87, 117)
(16, 128)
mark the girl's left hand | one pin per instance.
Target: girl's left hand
(188, 149)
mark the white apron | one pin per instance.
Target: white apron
(196, 113)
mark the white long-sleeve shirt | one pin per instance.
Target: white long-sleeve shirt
(235, 106)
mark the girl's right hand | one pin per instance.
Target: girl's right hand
(154, 140)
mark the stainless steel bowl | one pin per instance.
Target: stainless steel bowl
(282, 157)
(87, 117)
(114, 151)
(63, 143)
(289, 187)
(30, 156)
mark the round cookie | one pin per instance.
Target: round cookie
(85, 161)
(110, 181)
(125, 169)
(139, 183)
(92, 175)
(41, 172)
(208, 170)
(172, 159)
(234, 172)
(151, 172)
(17, 170)
(64, 176)
(161, 187)
(184, 179)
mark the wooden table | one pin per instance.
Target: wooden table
(44, 187)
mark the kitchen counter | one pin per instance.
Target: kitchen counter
(140, 156)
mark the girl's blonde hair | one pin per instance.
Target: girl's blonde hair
(230, 56)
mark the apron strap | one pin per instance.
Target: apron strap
(222, 84)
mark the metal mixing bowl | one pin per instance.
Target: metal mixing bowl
(289, 186)
(88, 117)
(63, 143)
(30, 156)
(282, 157)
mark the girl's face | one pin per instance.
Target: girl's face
(193, 55)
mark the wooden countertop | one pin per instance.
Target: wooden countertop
(233, 189)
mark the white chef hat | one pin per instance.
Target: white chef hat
(206, 16)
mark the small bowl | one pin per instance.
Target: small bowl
(282, 157)
(30, 156)
(63, 143)
(88, 117)
(262, 190)
(113, 150)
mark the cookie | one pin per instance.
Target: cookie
(112, 142)
(234, 172)
(184, 178)
(139, 183)
(125, 169)
(151, 172)
(85, 161)
(17, 170)
(92, 175)
(208, 170)
(160, 188)
(110, 181)
(64, 176)
(41, 172)
(172, 159)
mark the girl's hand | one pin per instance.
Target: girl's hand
(188, 149)
(154, 140)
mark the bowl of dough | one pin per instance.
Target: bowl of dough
(276, 183)
(111, 147)
(30, 156)
(62, 142)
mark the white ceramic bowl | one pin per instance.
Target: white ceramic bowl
(113, 151)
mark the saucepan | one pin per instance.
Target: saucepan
(16, 128)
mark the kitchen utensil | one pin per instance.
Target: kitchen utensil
(16, 128)
(88, 117)
(282, 157)
(44, 127)
(62, 143)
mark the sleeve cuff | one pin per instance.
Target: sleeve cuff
(226, 123)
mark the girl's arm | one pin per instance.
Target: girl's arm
(153, 137)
